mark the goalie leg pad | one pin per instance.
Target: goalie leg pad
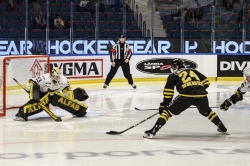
(72, 106)
(34, 92)
(80, 94)
(32, 108)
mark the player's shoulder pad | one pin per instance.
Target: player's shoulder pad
(63, 80)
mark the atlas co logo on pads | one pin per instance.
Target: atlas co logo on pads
(160, 66)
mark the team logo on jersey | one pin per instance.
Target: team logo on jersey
(160, 66)
(36, 69)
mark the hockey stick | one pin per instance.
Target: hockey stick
(120, 132)
(51, 114)
(158, 109)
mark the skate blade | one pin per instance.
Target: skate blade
(224, 133)
(19, 119)
(149, 136)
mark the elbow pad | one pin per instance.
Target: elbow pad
(237, 96)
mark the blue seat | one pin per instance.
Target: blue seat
(237, 8)
(14, 25)
(89, 33)
(4, 7)
(5, 24)
(65, 16)
(218, 34)
(66, 33)
(104, 33)
(65, 8)
(217, 10)
(170, 26)
(22, 24)
(43, 7)
(102, 25)
(4, 16)
(174, 34)
(80, 25)
(13, 33)
(206, 34)
(41, 1)
(137, 33)
(60, 1)
(233, 34)
(192, 26)
(208, 17)
(107, 8)
(129, 33)
(120, 25)
(133, 25)
(196, 34)
(167, 18)
(118, 17)
(109, 16)
(3, 33)
(58, 33)
(22, 7)
(86, 16)
(129, 17)
(206, 9)
(112, 25)
(234, 17)
(115, 33)
(54, 7)
(203, 26)
(77, 16)
(225, 18)
(187, 34)
(233, 26)
(14, 16)
(37, 33)
(89, 25)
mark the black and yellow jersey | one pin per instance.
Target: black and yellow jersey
(188, 82)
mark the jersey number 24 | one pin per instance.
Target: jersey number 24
(186, 77)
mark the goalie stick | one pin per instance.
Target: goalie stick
(120, 132)
(51, 114)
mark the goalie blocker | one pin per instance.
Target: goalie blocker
(68, 101)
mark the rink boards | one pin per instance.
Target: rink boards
(150, 67)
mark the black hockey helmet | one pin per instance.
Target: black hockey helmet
(177, 62)
(122, 36)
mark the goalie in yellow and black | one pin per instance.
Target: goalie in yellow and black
(191, 85)
(52, 88)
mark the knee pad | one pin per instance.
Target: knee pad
(205, 111)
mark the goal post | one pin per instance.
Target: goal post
(22, 68)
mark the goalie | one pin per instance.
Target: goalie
(52, 88)
(238, 95)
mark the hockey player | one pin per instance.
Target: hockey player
(52, 88)
(191, 86)
(238, 95)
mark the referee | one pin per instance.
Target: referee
(120, 56)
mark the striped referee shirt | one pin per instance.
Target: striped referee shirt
(120, 51)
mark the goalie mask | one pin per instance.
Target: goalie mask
(55, 74)
(177, 62)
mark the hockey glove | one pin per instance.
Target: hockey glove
(162, 107)
(225, 105)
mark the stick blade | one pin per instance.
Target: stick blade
(137, 108)
(67, 117)
(113, 133)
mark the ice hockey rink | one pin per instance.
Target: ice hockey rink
(188, 139)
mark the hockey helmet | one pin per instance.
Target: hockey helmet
(246, 71)
(55, 74)
(177, 62)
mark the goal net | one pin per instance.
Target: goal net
(21, 68)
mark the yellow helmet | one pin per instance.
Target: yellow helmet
(55, 74)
